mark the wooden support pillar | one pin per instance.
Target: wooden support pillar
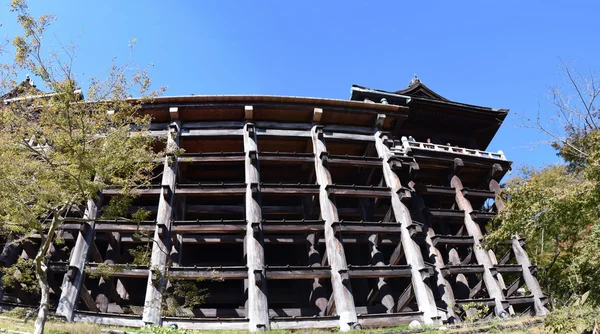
(530, 280)
(340, 282)
(161, 247)
(257, 307)
(518, 250)
(481, 254)
(317, 295)
(106, 290)
(414, 258)
(73, 279)
(435, 257)
(382, 289)
(177, 251)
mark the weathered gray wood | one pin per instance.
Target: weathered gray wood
(73, 281)
(519, 253)
(342, 291)
(161, 246)
(482, 256)
(382, 289)
(317, 295)
(397, 254)
(257, 306)
(530, 280)
(435, 256)
(88, 300)
(500, 278)
(405, 298)
(422, 290)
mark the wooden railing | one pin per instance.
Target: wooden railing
(408, 145)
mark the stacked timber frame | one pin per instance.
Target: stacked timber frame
(301, 213)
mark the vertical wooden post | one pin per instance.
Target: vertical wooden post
(317, 295)
(73, 280)
(161, 247)
(444, 287)
(383, 290)
(481, 254)
(257, 307)
(414, 258)
(520, 254)
(340, 282)
(530, 280)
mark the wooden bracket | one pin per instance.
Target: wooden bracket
(250, 128)
(174, 113)
(324, 157)
(255, 189)
(457, 166)
(344, 276)
(248, 112)
(379, 121)
(84, 227)
(494, 172)
(165, 191)
(255, 228)
(258, 277)
(533, 270)
(317, 114)
(425, 274)
(72, 271)
(173, 127)
(404, 194)
(319, 131)
(413, 169)
(162, 229)
(253, 155)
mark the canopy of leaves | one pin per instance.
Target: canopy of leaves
(557, 208)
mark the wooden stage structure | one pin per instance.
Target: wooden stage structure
(302, 213)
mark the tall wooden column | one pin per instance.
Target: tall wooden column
(382, 289)
(520, 254)
(444, 287)
(340, 281)
(257, 306)
(161, 247)
(414, 258)
(73, 280)
(481, 254)
(317, 294)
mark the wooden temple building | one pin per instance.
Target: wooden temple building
(294, 212)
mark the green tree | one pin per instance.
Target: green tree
(557, 207)
(58, 151)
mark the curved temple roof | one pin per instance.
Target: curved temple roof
(432, 115)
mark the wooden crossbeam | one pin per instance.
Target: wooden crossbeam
(475, 290)
(397, 254)
(405, 298)
(88, 300)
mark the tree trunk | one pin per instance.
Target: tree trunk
(40, 321)
(41, 270)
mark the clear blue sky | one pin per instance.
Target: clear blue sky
(503, 54)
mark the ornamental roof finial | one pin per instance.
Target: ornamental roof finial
(414, 81)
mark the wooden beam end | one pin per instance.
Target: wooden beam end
(174, 113)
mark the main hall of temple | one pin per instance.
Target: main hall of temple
(291, 212)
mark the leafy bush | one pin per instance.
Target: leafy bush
(573, 318)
